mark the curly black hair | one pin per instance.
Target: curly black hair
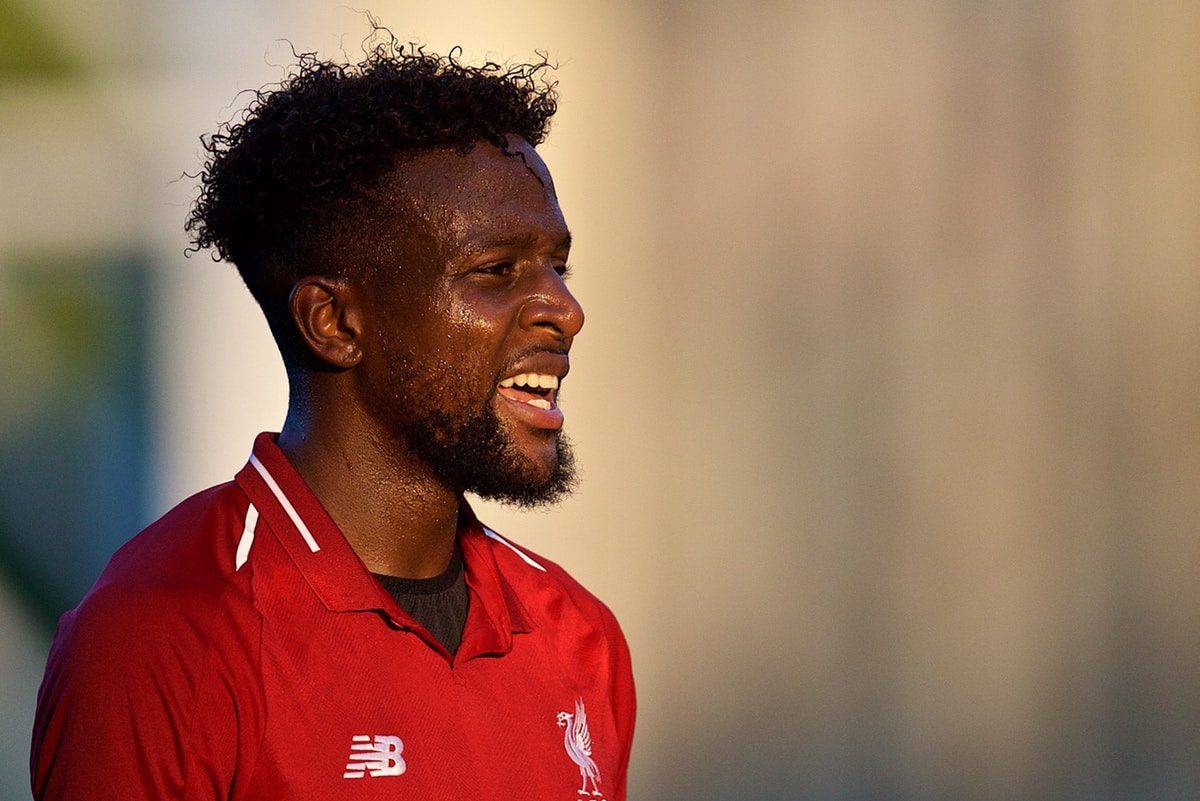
(307, 151)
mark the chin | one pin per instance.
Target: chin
(531, 473)
(531, 451)
(542, 453)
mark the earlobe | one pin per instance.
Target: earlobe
(327, 317)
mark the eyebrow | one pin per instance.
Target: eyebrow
(526, 240)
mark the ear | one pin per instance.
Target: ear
(329, 319)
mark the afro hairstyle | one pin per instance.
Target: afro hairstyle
(295, 167)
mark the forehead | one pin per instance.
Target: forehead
(455, 204)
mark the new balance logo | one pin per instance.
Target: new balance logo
(378, 757)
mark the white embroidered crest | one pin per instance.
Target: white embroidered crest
(378, 757)
(577, 741)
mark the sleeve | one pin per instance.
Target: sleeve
(623, 695)
(137, 703)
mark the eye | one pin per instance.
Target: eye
(500, 268)
(564, 271)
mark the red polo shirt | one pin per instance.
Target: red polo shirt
(238, 648)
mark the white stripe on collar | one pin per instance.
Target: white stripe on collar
(514, 548)
(286, 504)
(243, 548)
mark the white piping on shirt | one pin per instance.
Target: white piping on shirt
(514, 548)
(243, 549)
(286, 504)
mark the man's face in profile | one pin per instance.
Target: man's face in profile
(466, 292)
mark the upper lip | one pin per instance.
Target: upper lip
(545, 362)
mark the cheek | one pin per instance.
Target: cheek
(457, 363)
(476, 332)
(452, 345)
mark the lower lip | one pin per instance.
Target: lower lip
(551, 418)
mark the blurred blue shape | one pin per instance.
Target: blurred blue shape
(74, 420)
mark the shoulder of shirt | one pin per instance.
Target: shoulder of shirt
(176, 573)
(532, 572)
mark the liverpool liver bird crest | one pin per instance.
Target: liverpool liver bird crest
(578, 742)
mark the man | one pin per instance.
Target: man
(335, 622)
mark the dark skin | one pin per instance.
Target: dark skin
(466, 256)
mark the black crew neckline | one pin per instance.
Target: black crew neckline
(425, 586)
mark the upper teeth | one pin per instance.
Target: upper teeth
(532, 380)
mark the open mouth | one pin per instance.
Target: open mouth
(535, 389)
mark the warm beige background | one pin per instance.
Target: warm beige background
(886, 400)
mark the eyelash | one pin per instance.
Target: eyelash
(506, 267)
(502, 268)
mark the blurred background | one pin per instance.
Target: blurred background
(886, 405)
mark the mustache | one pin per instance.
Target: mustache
(518, 358)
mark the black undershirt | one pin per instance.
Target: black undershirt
(438, 603)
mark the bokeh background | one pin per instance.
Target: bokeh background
(886, 403)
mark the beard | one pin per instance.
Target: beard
(464, 442)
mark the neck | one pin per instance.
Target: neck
(398, 518)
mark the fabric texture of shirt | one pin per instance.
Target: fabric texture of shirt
(438, 603)
(238, 648)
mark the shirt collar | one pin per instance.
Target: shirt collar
(340, 579)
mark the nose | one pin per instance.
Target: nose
(552, 307)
